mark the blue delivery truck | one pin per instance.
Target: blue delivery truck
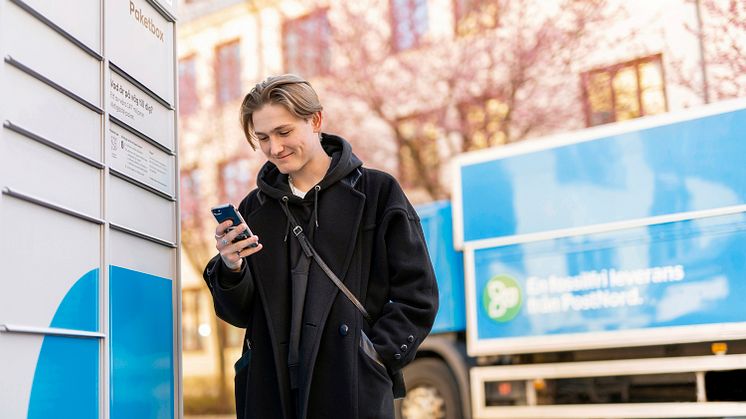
(594, 274)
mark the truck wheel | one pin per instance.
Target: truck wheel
(431, 392)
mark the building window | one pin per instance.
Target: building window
(190, 181)
(195, 326)
(188, 102)
(624, 91)
(228, 72)
(409, 23)
(422, 133)
(483, 123)
(306, 44)
(236, 180)
(474, 16)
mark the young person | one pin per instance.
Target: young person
(310, 352)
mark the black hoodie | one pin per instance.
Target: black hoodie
(275, 184)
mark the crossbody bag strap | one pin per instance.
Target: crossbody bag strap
(346, 291)
(309, 250)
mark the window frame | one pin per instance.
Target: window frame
(457, 17)
(194, 195)
(217, 73)
(418, 38)
(222, 193)
(322, 65)
(195, 313)
(612, 70)
(420, 122)
(482, 103)
(195, 99)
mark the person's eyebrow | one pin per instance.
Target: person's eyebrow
(280, 128)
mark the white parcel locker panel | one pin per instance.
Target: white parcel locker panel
(132, 156)
(137, 109)
(49, 376)
(69, 269)
(44, 111)
(44, 254)
(137, 209)
(83, 23)
(140, 42)
(37, 170)
(141, 255)
(19, 354)
(40, 48)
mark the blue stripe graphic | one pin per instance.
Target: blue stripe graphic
(66, 378)
(141, 339)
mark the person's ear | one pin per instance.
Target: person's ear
(316, 120)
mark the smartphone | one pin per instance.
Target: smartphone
(228, 212)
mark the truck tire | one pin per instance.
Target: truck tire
(432, 392)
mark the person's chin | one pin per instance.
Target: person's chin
(284, 167)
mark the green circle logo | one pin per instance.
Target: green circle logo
(502, 298)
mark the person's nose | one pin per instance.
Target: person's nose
(276, 147)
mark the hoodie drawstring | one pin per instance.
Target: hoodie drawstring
(287, 210)
(316, 188)
(285, 200)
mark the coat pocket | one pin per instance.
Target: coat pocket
(241, 382)
(370, 351)
(375, 398)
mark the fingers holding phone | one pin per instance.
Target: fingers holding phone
(232, 251)
(233, 243)
(225, 232)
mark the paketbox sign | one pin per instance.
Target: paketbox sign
(146, 20)
(142, 44)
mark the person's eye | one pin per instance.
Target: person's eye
(263, 139)
(284, 133)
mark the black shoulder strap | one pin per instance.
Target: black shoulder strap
(311, 252)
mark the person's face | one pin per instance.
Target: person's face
(287, 141)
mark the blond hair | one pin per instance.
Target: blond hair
(292, 92)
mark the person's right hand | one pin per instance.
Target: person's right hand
(233, 253)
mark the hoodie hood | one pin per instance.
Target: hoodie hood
(275, 184)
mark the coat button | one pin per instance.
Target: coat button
(404, 348)
(343, 329)
(410, 339)
(397, 356)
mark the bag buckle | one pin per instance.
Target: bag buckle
(297, 230)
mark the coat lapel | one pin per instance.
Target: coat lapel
(269, 264)
(271, 276)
